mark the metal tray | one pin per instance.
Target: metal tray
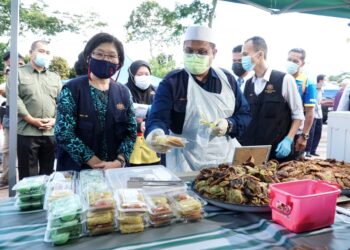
(234, 207)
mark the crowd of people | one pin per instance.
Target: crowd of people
(92, 121)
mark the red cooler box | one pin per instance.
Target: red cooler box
(303, 205)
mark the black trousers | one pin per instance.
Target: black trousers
(315, 136)
(36, 155)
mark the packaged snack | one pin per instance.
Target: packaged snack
(60, 236)
(31, 185)
(131, 228)
(100, 199)
(99, 218)
(187, 206)
(31, 205)
(131, 200)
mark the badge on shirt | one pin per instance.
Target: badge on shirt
(120, 106)
(269, 89)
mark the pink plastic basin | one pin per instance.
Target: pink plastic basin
(303, 205)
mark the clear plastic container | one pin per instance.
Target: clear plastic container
(63, 211)
(159, 209)
(188, 206)
(131, 200)
(31, 185)
(131, 222)
(31, 197)
(62, 235)
(101, 222)
(100, 199)
(31, 205)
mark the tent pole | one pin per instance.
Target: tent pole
(13, 95)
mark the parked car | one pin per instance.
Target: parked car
(329, 92)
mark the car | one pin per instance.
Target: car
(327, 102)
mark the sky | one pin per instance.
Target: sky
(325, 39)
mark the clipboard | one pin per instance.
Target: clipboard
(259, 153)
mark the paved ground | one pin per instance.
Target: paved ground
(322, 151)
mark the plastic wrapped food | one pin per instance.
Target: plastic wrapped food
(131, 228)
(35, 197)
(62, 235)
(131, 200)
(99, 218)
(98, 200)
(187, 206)
(65, 211)
(31, 205)
(171, 141)
(31, 185)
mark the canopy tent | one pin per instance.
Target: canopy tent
(333, 8)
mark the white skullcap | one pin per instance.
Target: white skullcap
(200, 33)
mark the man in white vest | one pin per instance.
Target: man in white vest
(187, 95)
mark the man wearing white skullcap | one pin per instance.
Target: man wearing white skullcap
(199, 103)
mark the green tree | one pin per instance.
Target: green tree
(38, 19)
(60, 66)
(162, 27)
(162, 65)
(339, 78)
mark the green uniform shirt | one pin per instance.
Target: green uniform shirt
(37, 96)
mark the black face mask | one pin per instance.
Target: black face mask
(103, 69)
(238, 69)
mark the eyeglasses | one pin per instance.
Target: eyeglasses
(102, 56)
(202, 52)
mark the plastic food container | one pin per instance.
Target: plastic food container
(131, 222)
(101, 222)
(159, 210)
(131, 200)
(61, 235)
(303, 205)
(31, 185)
(31, 205)
(188, 206)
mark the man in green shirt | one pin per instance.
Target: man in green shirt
(38, 89)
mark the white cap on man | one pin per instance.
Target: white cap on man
(200, 33)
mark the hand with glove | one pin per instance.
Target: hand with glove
(220, 128)
(153, 139)
(284, 147)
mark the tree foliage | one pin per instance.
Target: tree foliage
(339, 78)
(60, 66)
(36, 18)
(162, 27)
(162, 65)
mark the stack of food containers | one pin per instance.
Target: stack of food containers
(159, 209)
(131, 210)
(65, 220)
(60, 185)
(30, 192)
(99, 202)
(187, 206)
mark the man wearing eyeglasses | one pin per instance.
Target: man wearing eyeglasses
(38, 89)
(307, 91)
(193, 94)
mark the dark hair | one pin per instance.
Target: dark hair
(80, 66)
(100, 38)
(34, 44)
(7, 56)
(300, 51)
(259, 44)
(237, 49)
(320, 77)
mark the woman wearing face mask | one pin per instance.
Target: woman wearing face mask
(96, 126)
(139, 84)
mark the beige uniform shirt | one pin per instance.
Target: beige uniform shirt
(37, 96)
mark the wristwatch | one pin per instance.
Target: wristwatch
(305, 136)
(121, 161)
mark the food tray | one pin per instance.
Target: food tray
(119, 177)
(234, 207)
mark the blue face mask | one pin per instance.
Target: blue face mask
(247, 63)
(42, 60)
(103, 69)
(292, 67)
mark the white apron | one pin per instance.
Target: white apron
(202, 148)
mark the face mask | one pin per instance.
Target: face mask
(103, 69)
(237, 68)
(292, 68)
(143, 82)
(42, 60)
(196, 64)
(247, 63)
